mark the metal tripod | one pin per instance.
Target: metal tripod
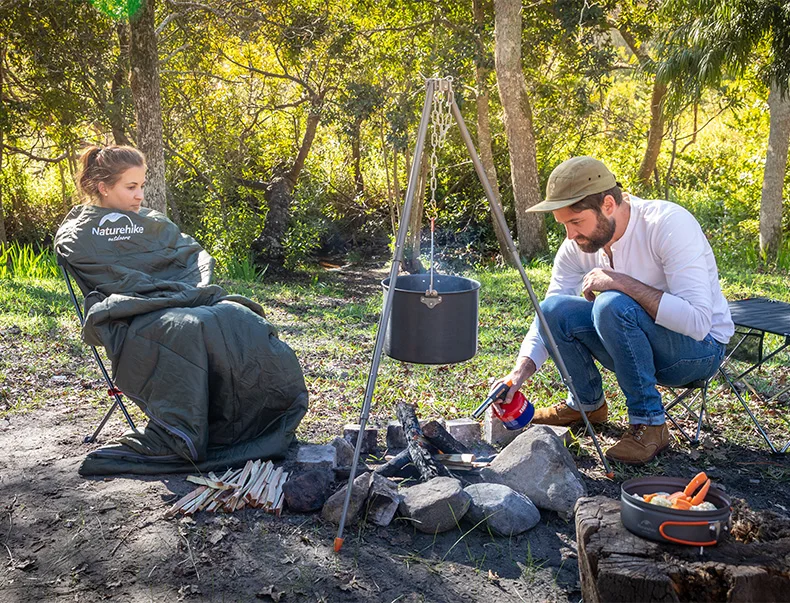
(431, 86)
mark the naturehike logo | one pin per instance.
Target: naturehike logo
(121, 232)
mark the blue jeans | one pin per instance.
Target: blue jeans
(616, 330)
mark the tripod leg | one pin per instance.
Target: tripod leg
(385, 313)
(499, 217)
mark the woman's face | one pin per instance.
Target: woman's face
(127, 193)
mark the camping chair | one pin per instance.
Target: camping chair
(754, 318)
(112, 391)
(696, 390)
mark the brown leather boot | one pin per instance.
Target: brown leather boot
(640, 444)
(562, 414)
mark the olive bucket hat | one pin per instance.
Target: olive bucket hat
(573, 180)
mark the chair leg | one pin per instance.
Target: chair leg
(693, 440)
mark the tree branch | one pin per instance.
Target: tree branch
(29, 154)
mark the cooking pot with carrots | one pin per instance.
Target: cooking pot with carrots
(670, 509)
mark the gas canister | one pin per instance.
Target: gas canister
(517, 414)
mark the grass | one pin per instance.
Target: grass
(331, 323)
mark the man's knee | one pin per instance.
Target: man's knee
(554, 306)
(612, 306)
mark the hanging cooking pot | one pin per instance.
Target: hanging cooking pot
(432, 325)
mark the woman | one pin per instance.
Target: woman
(208, 370)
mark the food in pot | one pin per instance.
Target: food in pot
(692, 497)
(704, 506)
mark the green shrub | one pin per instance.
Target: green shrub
(23, 261)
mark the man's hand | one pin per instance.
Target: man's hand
(524, 369)
(600, 279)
(605, 279)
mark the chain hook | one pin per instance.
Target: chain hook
(441, 121)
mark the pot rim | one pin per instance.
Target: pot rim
(655, 484)
(474, 285)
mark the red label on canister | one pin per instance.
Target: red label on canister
(517, 414)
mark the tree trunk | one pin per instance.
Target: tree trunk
(411, 251)
(483, 123)
(616, 565)
(279, 194)
(144, 82)
(119, 78)
(655, 135)
(359, 183)
(518, 126)
(3, 239)
(774, 178)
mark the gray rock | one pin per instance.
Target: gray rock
(308, 491)
(383, 500)
(466, 431)
(540, 467)
(395, 438)
(369, 438)
(495, 432)
(315, 456)
(333, 508)
(500, 509)
(344, 450)
(435, 506)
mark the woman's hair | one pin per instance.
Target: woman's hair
(104, 164)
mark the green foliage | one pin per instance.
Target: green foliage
(244, 269)
(118, 9)
(24, 262)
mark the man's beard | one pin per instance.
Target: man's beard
(603, 233)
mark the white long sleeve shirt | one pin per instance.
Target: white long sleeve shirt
(664, 247)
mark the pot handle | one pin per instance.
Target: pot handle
(686, 523)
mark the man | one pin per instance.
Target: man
(651, 308)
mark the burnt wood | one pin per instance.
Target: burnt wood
(418, 447)
(441, 438)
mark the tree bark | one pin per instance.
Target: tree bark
(655, 135)
(279, 194)
(3, 239)
(146, 95)
(411, 251)
(518, 126)
(655, 132)
(484, 124)
(774, 177)
(119, 78)
(359, 183)
(616, 565)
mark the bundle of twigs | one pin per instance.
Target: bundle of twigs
(258, 485)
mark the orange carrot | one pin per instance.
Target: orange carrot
(649, 497)
(700, 496)
(695, 483)
(678, 496)
(681, 504)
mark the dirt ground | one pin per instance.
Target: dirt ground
(67, 538)
(74, 539)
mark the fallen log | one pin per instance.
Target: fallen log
(418, 447)
(441, 438)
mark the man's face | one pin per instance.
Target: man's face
(590, 229)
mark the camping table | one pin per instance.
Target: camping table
(754, 318)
